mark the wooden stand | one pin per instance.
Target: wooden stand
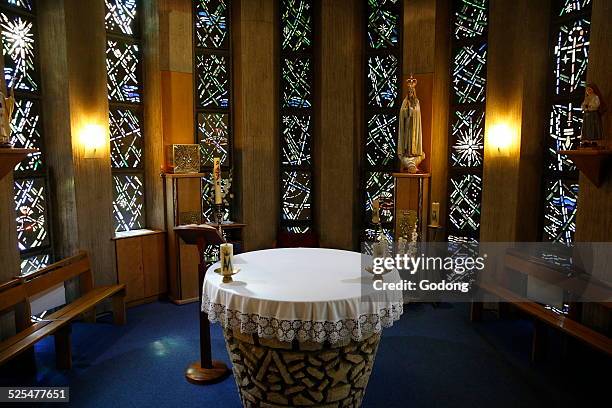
(10, 157)
(412, 193)
(207, 370)
(591, 162)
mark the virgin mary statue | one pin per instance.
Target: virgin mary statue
(410, 135)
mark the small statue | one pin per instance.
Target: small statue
(410, 135)
(7, 105)
(593, 107)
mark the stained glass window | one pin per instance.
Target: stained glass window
(467, 118)
(18, 32)
(124, 84)
(570, 28)
(383, 69)
(296, 114)
(213, 102)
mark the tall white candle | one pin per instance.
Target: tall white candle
(227, 255)
(217, 180)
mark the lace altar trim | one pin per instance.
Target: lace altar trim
(289, 330)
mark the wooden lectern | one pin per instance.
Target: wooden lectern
(207, 370)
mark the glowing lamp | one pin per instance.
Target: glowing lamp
(93, 138)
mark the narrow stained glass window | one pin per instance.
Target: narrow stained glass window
(213, 99)
(296, 114)
(124, 68)
(570, 28)
(467, 118)
(18, 32)
(383, 70)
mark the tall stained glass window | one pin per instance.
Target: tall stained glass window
(296, 92)
(383, 70)
(569, 46)
(467, 118)
(213, 97)
(124, 84)
(22, 75)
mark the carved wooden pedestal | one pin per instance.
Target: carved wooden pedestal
(270, 373)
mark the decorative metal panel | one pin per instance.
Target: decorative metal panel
(296, 25)
(381, 142)
(126, 138)
(18, 49)
(561, 198)
(212, 80)
(383, 80)
(296, 140)
(213, 137)
(26, 133)
(571, 54)
(121, 16)
(296, 190)
(296, 82)
(30, 208)
(471, 18)
(470, 74)
(128, 202)
(467, 138)
(383, 24)
(464, 207)
(122, 66)
(211, 17)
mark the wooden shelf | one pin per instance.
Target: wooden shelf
(183, 175)
(10, 157)
(412, 175)
(591, 162)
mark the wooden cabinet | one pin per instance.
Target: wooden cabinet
(412, 193)
(141, 264)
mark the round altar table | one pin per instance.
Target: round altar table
(301, 325)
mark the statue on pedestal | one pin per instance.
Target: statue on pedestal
(593, 107)
(7, 105)
(410, 135)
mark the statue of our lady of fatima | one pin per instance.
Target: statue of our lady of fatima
(410, 135)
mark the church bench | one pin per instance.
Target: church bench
(542, 315)
(15, 295)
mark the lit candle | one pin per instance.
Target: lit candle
(217, 180)
(435, 214)
(227, 254)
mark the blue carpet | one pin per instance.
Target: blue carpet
(433, 357)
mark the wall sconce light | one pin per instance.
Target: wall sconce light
(500, 137)
(93, 138)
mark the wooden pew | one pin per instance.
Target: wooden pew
(15, 294)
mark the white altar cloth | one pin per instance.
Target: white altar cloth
(306, 294)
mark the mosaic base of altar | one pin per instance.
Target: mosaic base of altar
(270, 373)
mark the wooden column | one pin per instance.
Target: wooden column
(515, 119)
(440, 97)
(594, 219)
(73, 51)
(419, 36)
(256, 120)
(152, 101)
(338, 121)
(176, 62)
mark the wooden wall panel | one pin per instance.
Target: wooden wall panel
(338, 123)
(130, 267)
(516, 98)
(256, 120)
(594, 220)
(419, 36)
(440, 98)
(154, 263)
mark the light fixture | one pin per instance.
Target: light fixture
(93, 138)
(500, 137)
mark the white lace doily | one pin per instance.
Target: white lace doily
(300, 294)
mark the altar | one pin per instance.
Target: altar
(302, 326)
